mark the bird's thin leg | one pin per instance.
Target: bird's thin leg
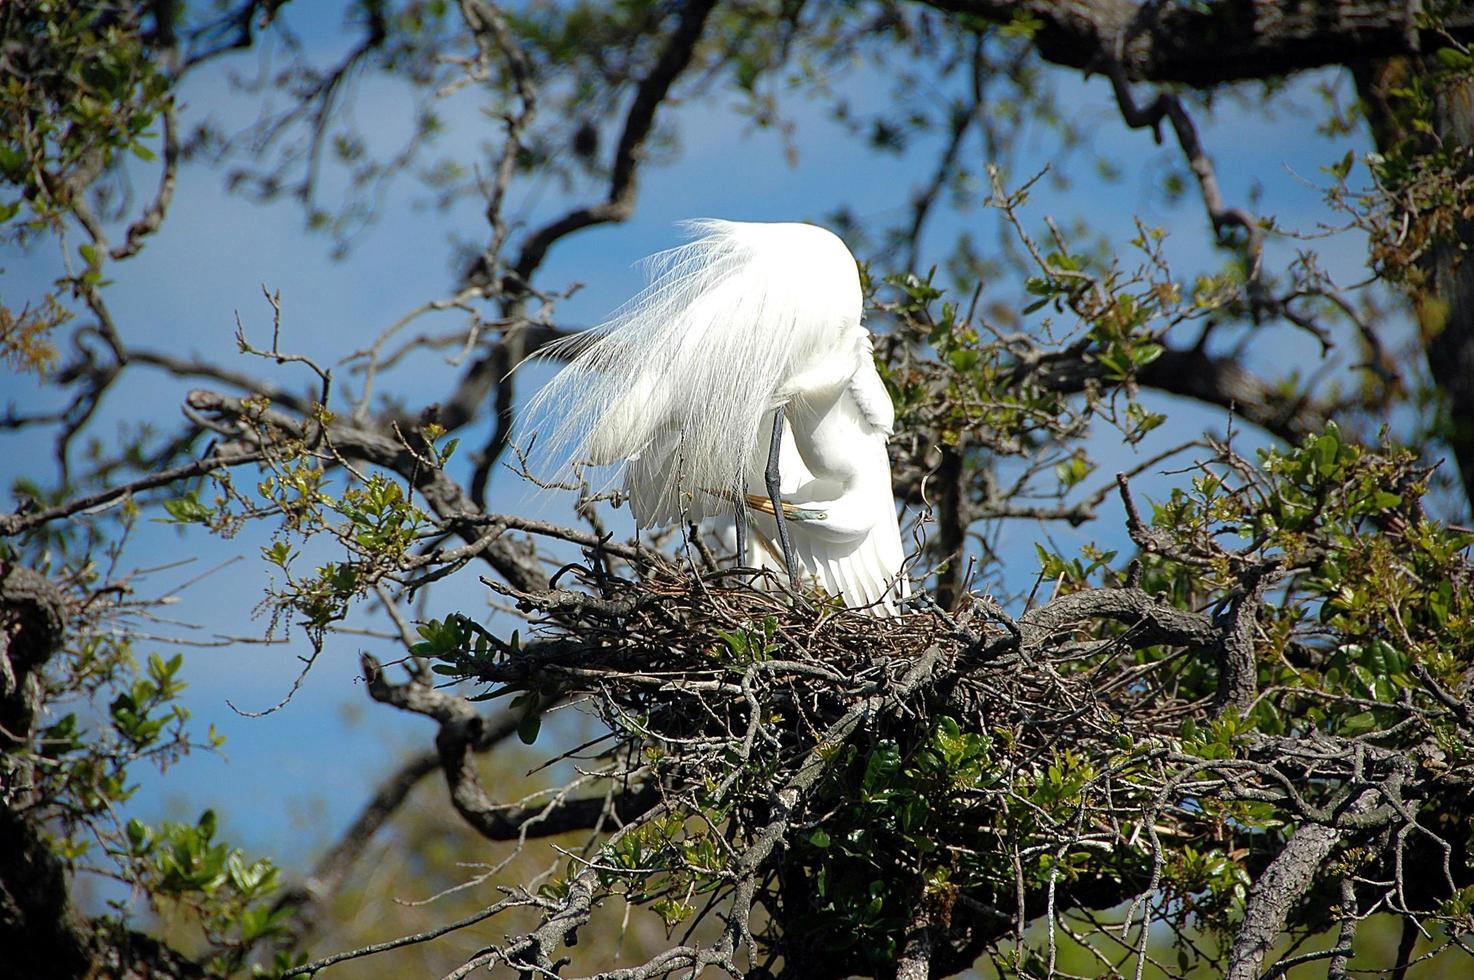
(740, 502)
(771, 478)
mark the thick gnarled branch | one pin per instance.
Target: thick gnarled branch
(1249, 39)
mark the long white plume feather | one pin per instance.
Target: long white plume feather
(680, 379)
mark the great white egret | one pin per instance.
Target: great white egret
(745, 328)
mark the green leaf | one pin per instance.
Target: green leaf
(187, 510)
(528, 728)
(881, 766)
(1454, 60)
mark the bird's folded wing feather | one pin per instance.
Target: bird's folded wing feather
(855, 551)
(866, 572)
(870, 396)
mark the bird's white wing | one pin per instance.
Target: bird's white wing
(652, 480)
(681, 385)
(869, 393)
(866, 571)
(681, 376)
(854, 549)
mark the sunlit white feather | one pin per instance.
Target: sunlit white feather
(682, 381)
(690, 365)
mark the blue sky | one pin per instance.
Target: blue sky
(289, 781)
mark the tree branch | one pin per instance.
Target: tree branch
(920, 942)
(462, 730)
(1223, 381)
(1170, 107)
(1275, 893)
(638, 123)
(1153, 621)
(21, 521)
(444, 496)
(1248, 39)
(1238, 679)
(148, 223)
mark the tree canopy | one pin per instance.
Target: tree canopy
(1185, 689)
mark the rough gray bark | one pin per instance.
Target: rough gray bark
(1444, 303)
(916, 954)
(42, 934)
(952, 524)
(1448, 321)
(1275, 894)
(39, 929)
(1204, 45)
(32, 626)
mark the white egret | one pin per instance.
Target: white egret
(747, 327)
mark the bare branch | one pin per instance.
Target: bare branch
(639, 121)
(21, 521)
(1170, 107)
(153, 217)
